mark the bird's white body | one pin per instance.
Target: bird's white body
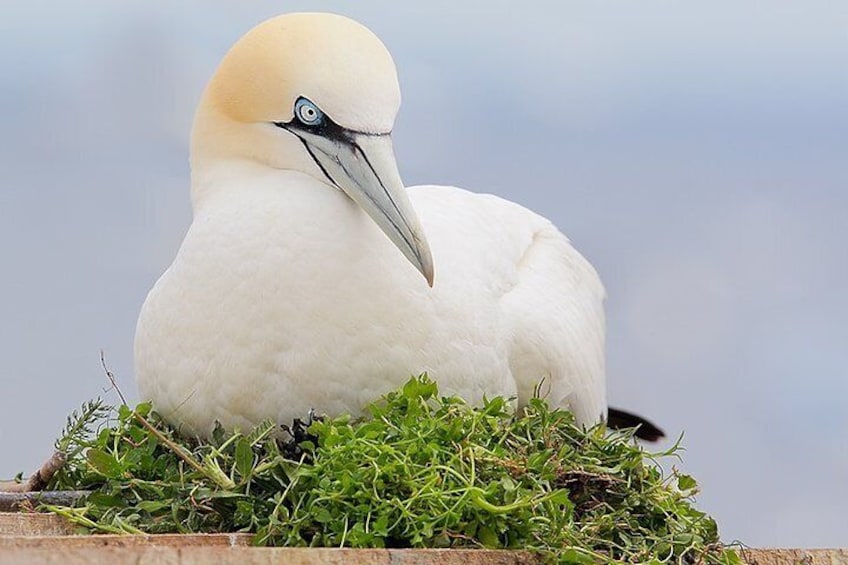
(287, 296)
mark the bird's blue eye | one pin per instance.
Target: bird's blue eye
(307, 112)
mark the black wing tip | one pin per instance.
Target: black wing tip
(645, 430)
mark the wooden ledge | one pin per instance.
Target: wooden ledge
(48, 539)
(197, 550)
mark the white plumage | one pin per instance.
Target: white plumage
(287, 294)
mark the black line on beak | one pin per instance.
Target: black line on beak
(340, 135)
(358, 149)
(317, 162)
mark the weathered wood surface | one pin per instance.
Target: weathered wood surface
(47, 539)
(226, 549)
(13, 524)
(795, 556)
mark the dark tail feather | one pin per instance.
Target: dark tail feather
(619, 419)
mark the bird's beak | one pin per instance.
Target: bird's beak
(364, 167)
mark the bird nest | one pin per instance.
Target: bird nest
(421, 471)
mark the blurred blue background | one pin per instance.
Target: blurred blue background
(696, 154)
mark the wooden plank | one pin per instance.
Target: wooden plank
(153, 554)
(795, 556)
(33, 524)
(53, 552)
(46, 539)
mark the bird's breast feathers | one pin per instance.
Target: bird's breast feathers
(313, 311)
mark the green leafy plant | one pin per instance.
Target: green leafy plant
(420, 471)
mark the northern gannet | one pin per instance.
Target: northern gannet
(299, 283)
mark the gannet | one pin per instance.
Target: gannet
(312, 278)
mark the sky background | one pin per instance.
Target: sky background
(696, 154)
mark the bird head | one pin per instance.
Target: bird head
(318, 94)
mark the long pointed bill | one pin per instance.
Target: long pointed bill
(364, 167)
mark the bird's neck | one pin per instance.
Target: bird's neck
(324, 235)
(243, 179)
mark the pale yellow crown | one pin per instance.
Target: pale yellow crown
(334, 61)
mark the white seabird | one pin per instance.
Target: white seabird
(299, 284)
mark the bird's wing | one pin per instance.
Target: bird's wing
(555, 312)
(500, 256)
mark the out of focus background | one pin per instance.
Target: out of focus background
(696, 154)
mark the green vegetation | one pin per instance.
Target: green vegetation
(422, 471)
